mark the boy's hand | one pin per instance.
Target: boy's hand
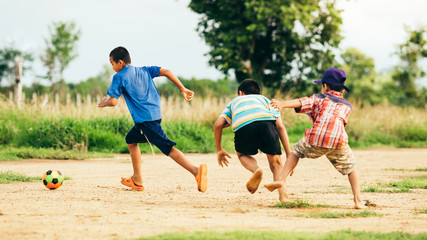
(103, 103)
(222, 158)
(187, 94)
(276, 104)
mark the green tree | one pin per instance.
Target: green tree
(97, 85)
(361, 76)
(8, 56)
(409, 71)
(60, 49)
(280, 43)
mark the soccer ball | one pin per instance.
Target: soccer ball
(52, 179)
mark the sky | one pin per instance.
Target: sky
(163, 32)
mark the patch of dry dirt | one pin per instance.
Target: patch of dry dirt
(94, 205)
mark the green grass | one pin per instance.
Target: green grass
(424, 211)
(414, 182)
(13, 154)
(264, 235)
(341, 215)
(385, 190)
(421, 169)
(300, 204)
(9, 176)
(28, 127)
(400, 186)
(394, 169)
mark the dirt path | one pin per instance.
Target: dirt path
(94, 205)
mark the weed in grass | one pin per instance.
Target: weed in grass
(9, 176)
(13, 154)
(300, 204)
(256, 235)
(421, 169)
(415, 182)
(394, 169)
(342, 215)
(385, 190)
(424, 211)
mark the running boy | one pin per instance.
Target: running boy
(329, 112)
(143, 101)
(256, 126)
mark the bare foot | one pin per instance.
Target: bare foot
(273, 186)
(254, 181)
(283, 197)
(358, 205)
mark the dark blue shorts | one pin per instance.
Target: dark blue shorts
(153, 132)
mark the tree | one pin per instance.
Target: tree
(60, 49)
(280, 43)
(361, 76)
(411, 53)
(8, 56)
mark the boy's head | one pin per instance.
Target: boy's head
(249, 86)
(334, 79)
(119, 57)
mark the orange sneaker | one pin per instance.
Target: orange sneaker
(128, 182)
(202, 178)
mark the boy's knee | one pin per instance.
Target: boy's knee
(132, 144)
(275, 161)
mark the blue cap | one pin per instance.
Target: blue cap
(335, 77)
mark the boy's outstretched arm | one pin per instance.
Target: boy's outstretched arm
(295, 103)
(108, 102)
(221, 153)
(283, 134)
(186, 93)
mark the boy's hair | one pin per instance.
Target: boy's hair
(333, 87)
(249, 86)
(120, 53)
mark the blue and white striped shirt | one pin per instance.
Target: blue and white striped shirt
(246, 109)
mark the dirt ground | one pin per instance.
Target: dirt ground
(94, 205)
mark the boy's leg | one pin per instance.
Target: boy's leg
(353, 178)
(180, 158)
(135, 155)
(290, 164)
(248, 162)
(251, 164)
(200, 173)
(344, 161)
(277, 168)
(135, 181)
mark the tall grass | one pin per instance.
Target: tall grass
(88, 128)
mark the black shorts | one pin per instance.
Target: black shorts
(262, 135)
(153, 132)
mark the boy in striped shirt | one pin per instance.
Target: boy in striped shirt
(329, 112)
(257, 126)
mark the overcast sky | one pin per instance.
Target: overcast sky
(162, 32)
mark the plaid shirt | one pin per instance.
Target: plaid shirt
(329, 113)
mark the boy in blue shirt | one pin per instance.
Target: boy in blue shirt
(143, 101)
(257, 126)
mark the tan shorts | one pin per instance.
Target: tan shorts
(342, 159)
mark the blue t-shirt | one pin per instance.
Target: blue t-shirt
(138, 88)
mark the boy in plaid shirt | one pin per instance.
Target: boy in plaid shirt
(329, 112)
